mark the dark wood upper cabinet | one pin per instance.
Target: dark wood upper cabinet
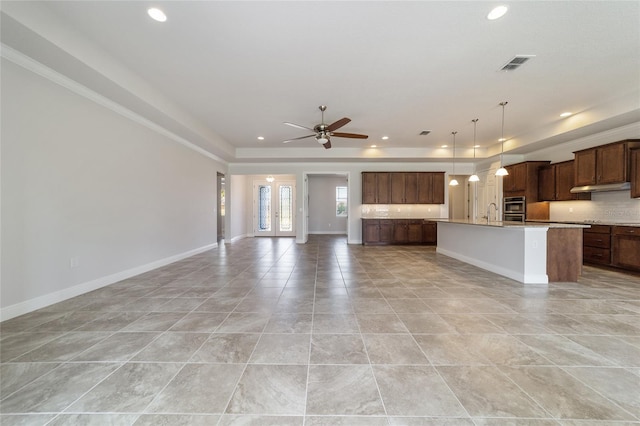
(397, 188)
(635, 172)
(376, 188)
(403, 188)
(585, 167)
(522, 180)
(430, 188)
(555, 182)
(437, 188)
(604, 164)
(516, 180)
(411, 188)
(547, 183)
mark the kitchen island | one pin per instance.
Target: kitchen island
(531, 253)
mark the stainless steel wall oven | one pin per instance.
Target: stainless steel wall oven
(514, 209)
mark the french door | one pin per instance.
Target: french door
(274, 207)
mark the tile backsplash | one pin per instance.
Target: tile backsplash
(614, 207)
(402, 211)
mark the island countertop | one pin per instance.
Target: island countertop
(502, 224)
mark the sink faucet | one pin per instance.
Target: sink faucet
(489, 211)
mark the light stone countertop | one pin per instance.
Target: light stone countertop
(501, 224)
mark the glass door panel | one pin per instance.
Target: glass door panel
(274, 209)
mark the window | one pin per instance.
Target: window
(341, 201)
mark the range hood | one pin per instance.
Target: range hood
(602, 188)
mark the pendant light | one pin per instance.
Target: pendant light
(474, 177)
(270, 178)
(502, 171)
(454, 182)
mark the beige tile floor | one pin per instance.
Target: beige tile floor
(268, 332)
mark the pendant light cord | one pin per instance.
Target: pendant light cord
(503, 104)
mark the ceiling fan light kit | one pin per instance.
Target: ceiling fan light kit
(324, 132)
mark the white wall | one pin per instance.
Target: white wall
(84, 183)
(322, 205)
(240, 207)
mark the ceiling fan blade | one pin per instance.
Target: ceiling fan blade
(327, 145)
(350, 135)
(295, 139)
(298, 126)
(338, 124)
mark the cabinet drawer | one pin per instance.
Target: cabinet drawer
(597, 240)
(598, 229)
(597, 255)
(626, 230)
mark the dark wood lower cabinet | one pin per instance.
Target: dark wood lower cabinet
(398, 231)
(626, 247)
(617, 246)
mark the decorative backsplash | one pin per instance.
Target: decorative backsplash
(368, 211)
(614, 207)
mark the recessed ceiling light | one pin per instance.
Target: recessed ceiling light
(566, 114)
(444, 146)
(260, 138)
(476, 146)
(502, 139)
(374, 146)
(497, 12)
(157, 14)
(384, 138)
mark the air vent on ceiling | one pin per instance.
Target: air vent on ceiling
(516, 62)
(425, 132)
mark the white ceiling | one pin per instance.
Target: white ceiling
(222, 73)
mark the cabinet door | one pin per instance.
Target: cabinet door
(437, 188)
(414, 231)
(411, 188)
(386, 231)
(400, 231)
(425, 188)
(370, 231)
(547, 183)
(383, 192)
(585, 167)
(626, 247)
(611, 164)
(520, 177)
(369, 188)
(429, 233)
(508, 180)
(635, 173)
(397, 188)
(565, 178)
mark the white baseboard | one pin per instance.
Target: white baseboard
(328, 232)
(67, 293)
(239, 237)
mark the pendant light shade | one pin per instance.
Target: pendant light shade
(502, 171)
(474, 177)
(454, 182)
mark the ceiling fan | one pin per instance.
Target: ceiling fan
(323, 132)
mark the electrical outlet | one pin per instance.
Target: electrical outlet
(570, 209)
(74, 262)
